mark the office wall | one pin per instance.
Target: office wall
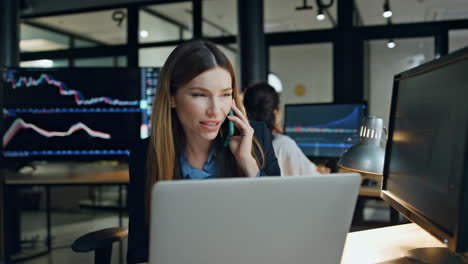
(312, 66)
(306, 72)
(384, 63)
(155, 57)
(458, 39)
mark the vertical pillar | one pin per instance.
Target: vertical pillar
(9, 57)
(251, 39)
(132, 36)
(9, 33)
(197, 19)
(348, 55)
(441, 43)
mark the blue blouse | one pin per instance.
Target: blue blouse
(208, 171)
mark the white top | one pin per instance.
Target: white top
(291, 159)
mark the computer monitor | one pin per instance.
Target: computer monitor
(324, 130)
(74, 113)
(426, 164)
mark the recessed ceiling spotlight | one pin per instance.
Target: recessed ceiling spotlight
(144, 33)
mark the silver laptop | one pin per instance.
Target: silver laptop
(265, 220)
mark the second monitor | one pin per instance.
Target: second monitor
(324, 130)
(74, 113)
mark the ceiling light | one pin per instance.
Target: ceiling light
(33, 45)
(386, 10)
(391, 44)
(144, 33)
(320, 15)
(37, 64)
(387, 14)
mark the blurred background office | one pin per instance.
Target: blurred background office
(322, 51)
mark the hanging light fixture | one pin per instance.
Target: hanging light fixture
(386, 10)
(320, 15)
(322, 11)
(391, 44)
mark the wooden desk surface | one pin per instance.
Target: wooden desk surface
(84, 174)
(369, 191)
(383, 244)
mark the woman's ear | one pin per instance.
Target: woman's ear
(276, 113)
(277, 128)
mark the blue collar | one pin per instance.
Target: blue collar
(208, 171)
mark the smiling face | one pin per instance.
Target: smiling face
(203, 104)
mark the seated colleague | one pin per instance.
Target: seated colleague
(262, 104)
(196, 90)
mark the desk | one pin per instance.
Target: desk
(367, 191)
(57, 175)
(86, 174)
(370, 192)
(383, 244)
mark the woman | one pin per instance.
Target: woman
(262, 104)
(196, 90)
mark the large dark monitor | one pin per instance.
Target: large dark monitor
(426, 164)
(74, 113)
(324, 130)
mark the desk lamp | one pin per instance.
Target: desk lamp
(369, 154)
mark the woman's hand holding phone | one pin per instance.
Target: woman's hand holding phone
(241, 146)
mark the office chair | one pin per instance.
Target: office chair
(101, 241)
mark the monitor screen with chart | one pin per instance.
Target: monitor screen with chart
(75, 113)
(324, 130)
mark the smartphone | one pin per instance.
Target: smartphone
(230, 130)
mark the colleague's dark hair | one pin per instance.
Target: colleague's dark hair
(260, 99)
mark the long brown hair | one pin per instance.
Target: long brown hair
(187, 61)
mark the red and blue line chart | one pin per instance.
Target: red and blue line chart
(71, 88)
(18, 125)
(70, 134)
